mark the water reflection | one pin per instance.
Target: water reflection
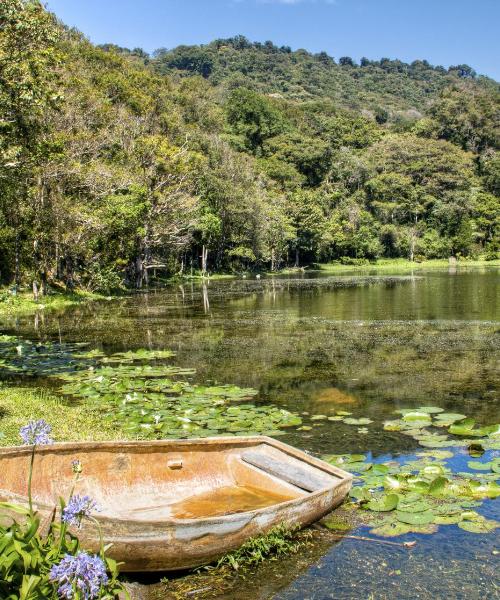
(316, 346)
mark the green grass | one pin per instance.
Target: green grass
(402, 265)
(24, 304)
(18, 405)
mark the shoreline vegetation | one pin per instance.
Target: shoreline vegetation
(226, 169)
(23, 303)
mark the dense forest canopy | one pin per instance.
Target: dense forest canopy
(115, 164)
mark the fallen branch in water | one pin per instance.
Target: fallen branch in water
(367, 539)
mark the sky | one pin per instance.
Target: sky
(442, 31)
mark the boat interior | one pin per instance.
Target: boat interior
(158, 483)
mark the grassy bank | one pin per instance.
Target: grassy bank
(402, 265)
(18, 405)
(23, 303)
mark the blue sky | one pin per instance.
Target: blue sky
(442, 31)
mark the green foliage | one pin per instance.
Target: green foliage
(30, 549)
(27, 555)
(279, 541)
(116, 167)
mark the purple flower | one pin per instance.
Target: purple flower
(82, 574)
(78, 508)
(36, 433)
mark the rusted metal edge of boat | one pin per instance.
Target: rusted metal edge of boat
(176, 504)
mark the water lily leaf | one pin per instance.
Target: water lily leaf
(386, 503)
(415, 518)
(433, 470)
(452, 417)
(395, 425)
(413, 507)
(343, 413)
(438, 486)
(430, 409)
(416, 416)
(432, 443)
(362, 421)
(439, 454)
(479, 526)
(359, 493)
(479, 466)
(392, 529)
(381, 469)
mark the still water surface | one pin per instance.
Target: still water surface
(316, 344)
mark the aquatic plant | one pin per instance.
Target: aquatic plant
(279, 541)
(142, 395)
(401, 496)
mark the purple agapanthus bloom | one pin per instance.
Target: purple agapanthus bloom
(78, 507)
(83, 574)
(36, 433)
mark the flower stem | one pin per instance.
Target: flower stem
(30, 478)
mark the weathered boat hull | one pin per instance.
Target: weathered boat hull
(172, 505)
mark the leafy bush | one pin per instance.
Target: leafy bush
(358, 262)
(46, 563)
(103, 279)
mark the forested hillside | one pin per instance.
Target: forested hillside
(115, 164)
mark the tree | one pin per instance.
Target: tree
(253, 118)
(468, 116)
(28, 90)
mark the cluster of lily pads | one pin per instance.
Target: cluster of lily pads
(416, 496)
(27, 358)
(427, 423)
(138, 390)
(150, 401)
(339, 416)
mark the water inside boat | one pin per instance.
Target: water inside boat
(226, 501)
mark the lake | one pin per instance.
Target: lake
(364, 343)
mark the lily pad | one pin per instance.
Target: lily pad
(415, 518)
(361, 421)
(386, 503)
(479, 526)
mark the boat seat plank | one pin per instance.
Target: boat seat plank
(296, 475)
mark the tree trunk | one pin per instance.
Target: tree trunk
(17, 264)
(296, 257)
(204, 256)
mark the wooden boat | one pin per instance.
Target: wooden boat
(174, 504)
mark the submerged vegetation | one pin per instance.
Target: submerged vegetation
(117, 167)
